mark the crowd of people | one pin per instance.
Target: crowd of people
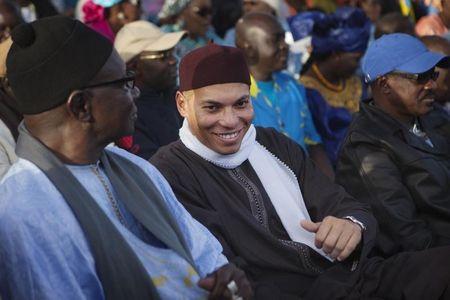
(238, 149)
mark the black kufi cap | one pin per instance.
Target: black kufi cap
(50, 58)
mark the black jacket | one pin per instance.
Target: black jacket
(406, 181)
(158, 121)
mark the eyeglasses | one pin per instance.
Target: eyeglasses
(128, 80)
(159, 55)
(421, 78)
(203, 12)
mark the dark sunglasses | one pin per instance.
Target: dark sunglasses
(128, 80)
(421, 78)
(203, 12)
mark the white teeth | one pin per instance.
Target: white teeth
(228, 136)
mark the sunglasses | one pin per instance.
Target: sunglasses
(203, 12)
(156, 56)
(421, 78)
(128, 80)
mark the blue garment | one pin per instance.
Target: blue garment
(331, 122)
(281, 104)
(44, 253)
(346, 30)
(187, 44)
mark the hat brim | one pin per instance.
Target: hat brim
(424, 62)
(165, 42)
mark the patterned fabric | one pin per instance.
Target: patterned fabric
(348, 98)
(281, 104)
(346, 30)
(188, 44)
(172, 8)
(50, 258)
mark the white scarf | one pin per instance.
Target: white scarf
(279, 180)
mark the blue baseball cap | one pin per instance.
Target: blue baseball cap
(399, 52)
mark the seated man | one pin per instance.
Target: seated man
(253, 186)
(393, 158)
(149, 53)
(78, 221)
(278, 100)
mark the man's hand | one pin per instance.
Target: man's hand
(336, 237)
(216, 283)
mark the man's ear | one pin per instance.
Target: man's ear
(383, 85)
(181, 103)
(79, 106)
(251, 53)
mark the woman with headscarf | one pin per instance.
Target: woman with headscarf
(109, 16)
(339, 41)
(194, 16)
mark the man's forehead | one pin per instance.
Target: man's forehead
(225, 91)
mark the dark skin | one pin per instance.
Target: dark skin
(10, 17)
(337, 66)
(402, 98)
(445, 12)
(440, 45)
(123, 13)
(78, 131)
(155, 69)
(197, 18)
(262, 39)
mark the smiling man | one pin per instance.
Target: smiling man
(393, 157)
(294, 232)
(81, 221)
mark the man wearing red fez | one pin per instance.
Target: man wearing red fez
(294, 232)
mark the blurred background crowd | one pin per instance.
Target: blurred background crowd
(317, 43)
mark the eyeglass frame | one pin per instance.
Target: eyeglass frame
(416, 76)
(129, 78)
(160, 55)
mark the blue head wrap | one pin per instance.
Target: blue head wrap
(346, 30)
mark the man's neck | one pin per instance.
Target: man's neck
(69, 147)
(260, 75)
(327, 72)
(407, 120)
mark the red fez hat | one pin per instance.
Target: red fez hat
(213, 64)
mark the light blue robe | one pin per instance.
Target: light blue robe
(45, 255)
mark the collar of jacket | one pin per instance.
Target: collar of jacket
(388, 126)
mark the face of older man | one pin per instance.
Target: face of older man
(113, 108)
(411, 97)
(218, 115)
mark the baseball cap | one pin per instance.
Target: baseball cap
(399, 52)
(139, 36)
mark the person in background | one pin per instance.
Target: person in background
(435, 24)
(333, 90)
(109, 16)
(393, 158)
(193, 16)
(393, 22)
(279, 101)
(296, 234)
(442, 92)
(148, 52)
(10, 17)
(9, 116)
(78, 219)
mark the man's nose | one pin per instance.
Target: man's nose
(229, 118)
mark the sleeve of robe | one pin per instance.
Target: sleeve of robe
(322, 197)
(189, 192)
